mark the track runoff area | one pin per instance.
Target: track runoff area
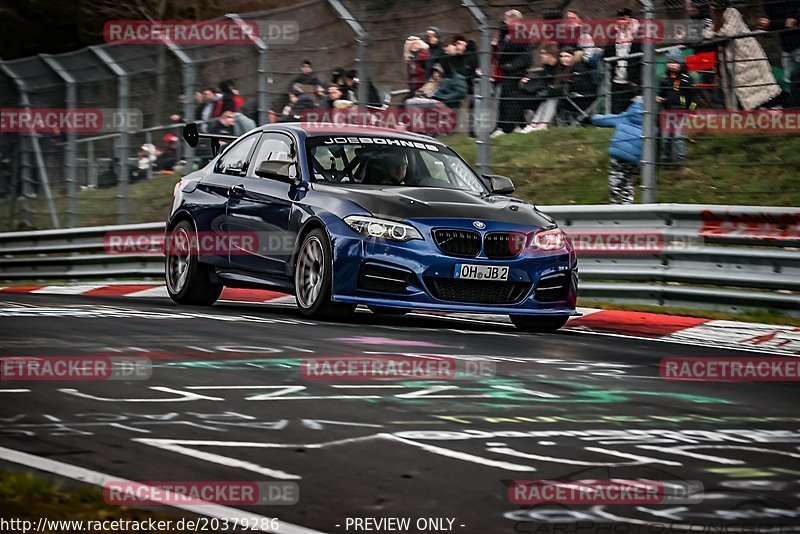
(247, 416)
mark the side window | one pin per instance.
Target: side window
(234, 161)
(273, 147)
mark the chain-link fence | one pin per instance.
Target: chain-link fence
(486, 77)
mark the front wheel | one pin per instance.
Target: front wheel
(531, 323)
(313, 276)
(188, 280)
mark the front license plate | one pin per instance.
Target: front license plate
(481, 272)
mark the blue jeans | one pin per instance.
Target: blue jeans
(676, 140)
(791, 73)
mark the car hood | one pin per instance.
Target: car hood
(432, 202)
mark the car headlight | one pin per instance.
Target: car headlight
(382, 229)
(549, 240)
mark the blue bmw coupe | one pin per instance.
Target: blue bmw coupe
(342, 216)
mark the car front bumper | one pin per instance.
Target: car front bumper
(427, 269)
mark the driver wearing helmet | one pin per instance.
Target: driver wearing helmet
(391, 169)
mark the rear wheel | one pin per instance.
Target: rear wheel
(313, 276)
(528, 323)
(188, 281)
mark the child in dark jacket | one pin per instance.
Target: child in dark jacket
(676, 92)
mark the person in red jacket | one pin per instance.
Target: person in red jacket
(416, 55)
(231, 99)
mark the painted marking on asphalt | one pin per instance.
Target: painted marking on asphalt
(183, 396)
(97, 478)
(227, 461)
(372, 340)
(457, 455)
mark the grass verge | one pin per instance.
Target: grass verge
(556, 166)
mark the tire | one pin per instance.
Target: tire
(384, 310)
(188, 281)
(313, 276)
(528, 323)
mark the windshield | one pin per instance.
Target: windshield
(389, 162)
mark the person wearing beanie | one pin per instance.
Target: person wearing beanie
(676, 92)
(435, 49)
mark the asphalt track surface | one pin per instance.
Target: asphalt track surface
(227, 402)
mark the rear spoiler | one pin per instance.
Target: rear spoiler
(192, 136)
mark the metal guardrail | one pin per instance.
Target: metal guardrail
(709, 257)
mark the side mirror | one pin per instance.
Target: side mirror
(500, 185)
(278, 170)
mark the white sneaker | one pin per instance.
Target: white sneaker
(528, 129)
(496, 133)
(517, 129)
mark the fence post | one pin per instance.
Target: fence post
(483, 98)
(70, 148)
(608, 80)
(189, 71)
(33, 137)
(649, 132)
(264, 103)
(123, 95)
(362, 59)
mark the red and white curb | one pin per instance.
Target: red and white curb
(754, 337)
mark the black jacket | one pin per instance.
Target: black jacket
(542, 83)
(514, 57)
(580, 80)
(677, 90)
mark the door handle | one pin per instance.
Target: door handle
(237, 190)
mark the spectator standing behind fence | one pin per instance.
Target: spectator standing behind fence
(205, 109)
(784, 17)
(231, 99)
(625, 150)
(335, 99)
(741, 61)
(542, 87)
(167, 153)
(585, 46)
(676, 92)
(416, 55)
(435, 49)
(626, 76)
(514, 59)
(352, 82)
(467, 64)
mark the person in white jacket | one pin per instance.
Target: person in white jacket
(741, 61)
